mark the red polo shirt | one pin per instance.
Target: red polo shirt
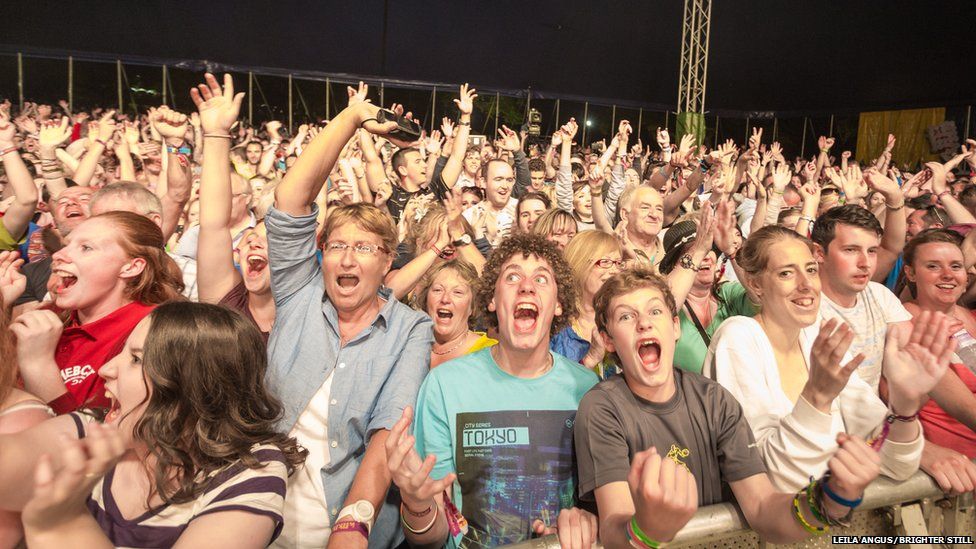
(84, 348)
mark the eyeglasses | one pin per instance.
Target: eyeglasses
(606, 263)
(361, 249)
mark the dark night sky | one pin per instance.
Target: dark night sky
(766, 55)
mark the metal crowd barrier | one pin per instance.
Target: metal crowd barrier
(915, 507)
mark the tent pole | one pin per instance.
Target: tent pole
(557, 114)
(164, 84)
(969, 109)
(20, 78)
(586, 114)
(613, 119)
(803, 143)
(71, 82)
(328, 90)
(498, 100)
(382, 90)
(118, 80)
(433, 108)
(748, 122)
(640, 120)
(830, 133)
(290, 118)
(718, 120)
(775, 128)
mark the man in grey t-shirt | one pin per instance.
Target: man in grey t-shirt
(655, 442)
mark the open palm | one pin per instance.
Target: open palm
(218, 108)
(916, 356)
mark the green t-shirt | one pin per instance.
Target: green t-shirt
(689, 353)
(510, 441)
(7, 241)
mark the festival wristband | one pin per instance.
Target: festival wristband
(179, 150)
(638, 537)
(825, 485)
(350, 526)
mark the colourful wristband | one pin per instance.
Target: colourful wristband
(350, 526)
(798, 515)
(638, 536)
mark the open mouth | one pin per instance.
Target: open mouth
(256, 264)
(65, 280)
(73, 214)
(347, 281)
(946, 287)
(444, 314)
(115, 409)
(526, 315)
(649, 352)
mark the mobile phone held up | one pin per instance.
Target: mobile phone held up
(407, 129)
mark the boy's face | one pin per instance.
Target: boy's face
(643, 331)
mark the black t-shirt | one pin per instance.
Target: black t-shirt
(37, 274)
(702, 427)
(400, 196)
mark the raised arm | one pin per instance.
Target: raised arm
(682, 277)
(893, 240)
(172, 126)
(302, 183)
(957, 212)
(96, 146)
(19, 214)
(465, 104)
(219, 109)
(51, 136)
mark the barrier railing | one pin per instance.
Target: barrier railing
(915, 507)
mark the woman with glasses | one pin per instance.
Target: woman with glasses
(594, 256)
(346, 357)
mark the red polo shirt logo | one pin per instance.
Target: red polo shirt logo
(84, 349)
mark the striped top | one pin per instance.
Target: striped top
(234, 488)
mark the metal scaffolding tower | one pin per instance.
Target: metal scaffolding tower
(694, 56)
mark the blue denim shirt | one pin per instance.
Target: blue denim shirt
(375, 375)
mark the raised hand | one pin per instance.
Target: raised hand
(938, 177)
(781, 177)
(447, 127)
(888, 188)
(827, 376)
(433, 142)
(725, 228)
(411, 473)
(665, 494)
(756, 139)
(825, 143)
(853, 467)
(557, 138)
(169, 123)
(891, 144)
(130, 131)
(810, 172)
(569, 129)
(685, 149)
(106, 126)
(59, 496)
(663, 139)
(357, 95)
(916, 357)
(12, 281)
(624, 130)
(37, 334)
(7, 130)
(465, 103)
(776, 149)
(218, 108)
(53, 134)
(509, 140)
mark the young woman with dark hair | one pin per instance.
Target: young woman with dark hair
(188, 454)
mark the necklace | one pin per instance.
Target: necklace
(452, 349)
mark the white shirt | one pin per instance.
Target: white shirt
(503, 219)
(306, 512)
(876, 308)
(795, 439)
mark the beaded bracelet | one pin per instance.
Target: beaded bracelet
(798, 515)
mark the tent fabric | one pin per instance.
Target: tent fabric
(908, 127)
(803, 57)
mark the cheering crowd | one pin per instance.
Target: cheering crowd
(226, 336)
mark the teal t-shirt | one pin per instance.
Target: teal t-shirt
(510, 441)
(689, 353)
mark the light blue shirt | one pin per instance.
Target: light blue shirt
(375, 375)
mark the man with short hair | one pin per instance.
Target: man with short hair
(849, 250)
(500, 420)
(494, 216)
(655, 443)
